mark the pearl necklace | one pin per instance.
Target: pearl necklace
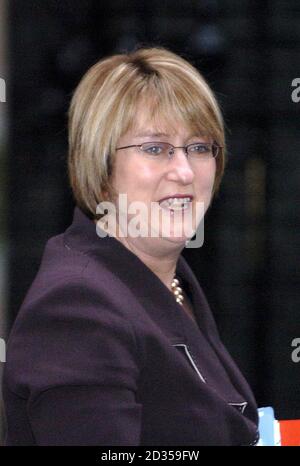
(177, 291)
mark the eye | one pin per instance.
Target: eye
(199, 148)
(153, 148)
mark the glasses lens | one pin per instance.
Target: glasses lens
(156, 148)
(200, 150)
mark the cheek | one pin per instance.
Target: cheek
(121, 176)
(133, 178)
(205, 178)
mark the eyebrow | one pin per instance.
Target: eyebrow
(156, 134)
(150, 134)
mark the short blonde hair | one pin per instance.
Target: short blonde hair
(103, 109)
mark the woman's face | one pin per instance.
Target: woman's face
(147, 179)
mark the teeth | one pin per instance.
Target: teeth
(176, 202)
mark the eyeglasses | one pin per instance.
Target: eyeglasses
(161, 150)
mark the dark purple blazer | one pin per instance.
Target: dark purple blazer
(101, 354)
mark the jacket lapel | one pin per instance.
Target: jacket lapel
(206, 323)
(154, 297)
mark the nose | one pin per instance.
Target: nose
(179, 167)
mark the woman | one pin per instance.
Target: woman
(107, 348)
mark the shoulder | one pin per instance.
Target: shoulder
(70, 286)
(67, 274)
(70, 324)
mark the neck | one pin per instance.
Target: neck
(159, 255)
(163, 265)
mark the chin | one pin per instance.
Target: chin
(172, 238)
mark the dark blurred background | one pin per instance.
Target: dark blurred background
(249, 53)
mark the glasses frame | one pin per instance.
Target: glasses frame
(215, 148)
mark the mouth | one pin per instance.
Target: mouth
(176, 203)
